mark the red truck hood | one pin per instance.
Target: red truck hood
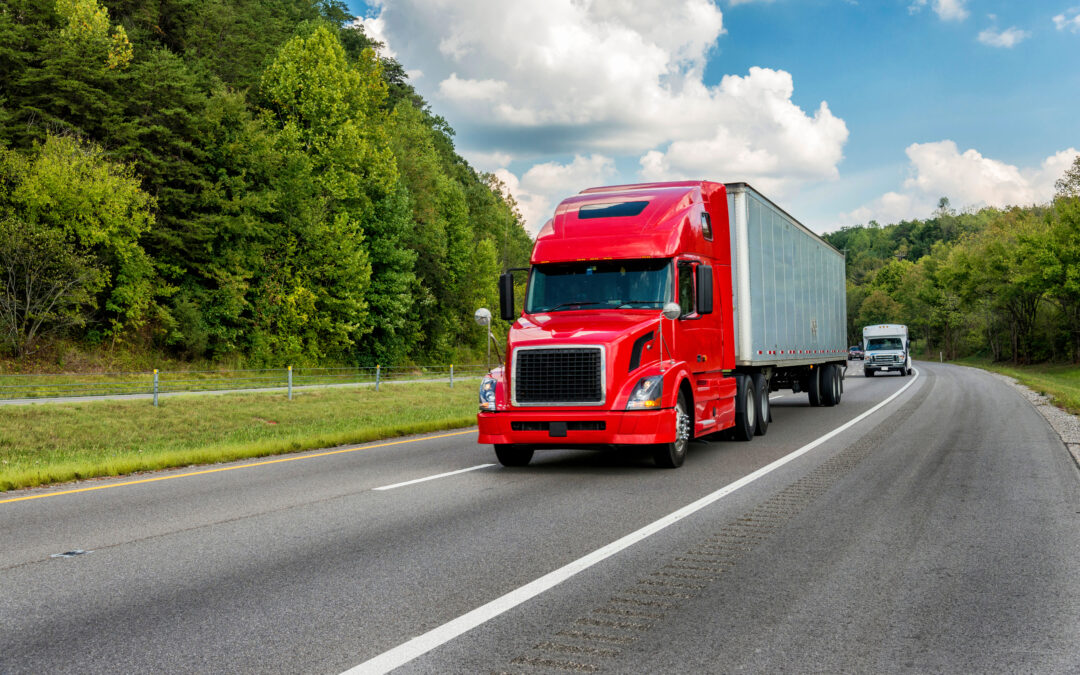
(581, 327)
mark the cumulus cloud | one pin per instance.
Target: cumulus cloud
(969, 179)
(774, 151)
(1065, 22)
(947, 10)
(543, 186)
(375, 28)
(608, 78)
(1008, 38)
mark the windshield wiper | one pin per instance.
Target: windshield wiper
(569, 304)
(627, 303)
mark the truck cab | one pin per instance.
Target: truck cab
(592, 360)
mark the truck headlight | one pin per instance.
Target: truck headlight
(647, 393)
(487, 393)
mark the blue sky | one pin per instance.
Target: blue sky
(841, 111)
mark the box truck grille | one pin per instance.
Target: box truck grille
(884, 358)
(564, 376)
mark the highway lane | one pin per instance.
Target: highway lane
(886, 547)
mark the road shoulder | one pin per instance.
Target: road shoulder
(1065, 424)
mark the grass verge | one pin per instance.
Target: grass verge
(1061, 383)
(54, 443)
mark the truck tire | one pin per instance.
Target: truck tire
(513, 455)
(762, 410)
(745, 409)
(814, 385)
(830, 385)
(672, 455)
(866, 372)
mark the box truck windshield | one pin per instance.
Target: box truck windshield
(884, 343)
(599, 284)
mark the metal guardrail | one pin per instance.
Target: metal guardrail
(153, 383)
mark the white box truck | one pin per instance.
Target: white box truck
(886, 348)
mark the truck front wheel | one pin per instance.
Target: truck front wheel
(672, 455)
(513, 455)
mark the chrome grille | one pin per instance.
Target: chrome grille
(559, 376)
(884, 358)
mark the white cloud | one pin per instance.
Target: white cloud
(968, 179)
(761, 137)
(1008, 38)
(375, 28)
(1072, 23)
(608, 78)
(543, 186)
(947, 10)
(471, 90)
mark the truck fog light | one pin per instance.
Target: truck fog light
(487, 393)
(647, 393)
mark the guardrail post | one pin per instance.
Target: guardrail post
(290, 383)
(378, 372)
(451, 376)
(155, 386)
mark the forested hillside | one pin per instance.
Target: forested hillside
(998, 283)
(233, 179)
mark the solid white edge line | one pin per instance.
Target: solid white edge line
(441, 475)
(422, 644)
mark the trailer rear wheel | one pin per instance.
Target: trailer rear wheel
(513, 455)
(830, 385)
(761, 404)
(672, 455)
(745, 408)
(814, 386)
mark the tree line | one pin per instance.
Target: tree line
(213, 178)
(1001, 283)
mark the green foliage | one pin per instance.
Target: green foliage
(306, 204)
(71, 190)
(1000, 283)
(45, 286)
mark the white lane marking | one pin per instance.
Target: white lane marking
(441, 475)
(422, 644)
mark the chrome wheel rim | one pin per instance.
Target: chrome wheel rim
(682, 428)
(750, 416)
(765, 406)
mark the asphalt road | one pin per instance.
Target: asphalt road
(939, 533)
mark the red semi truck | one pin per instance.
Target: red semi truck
(662, 312)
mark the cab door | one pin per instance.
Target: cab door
(698, 343)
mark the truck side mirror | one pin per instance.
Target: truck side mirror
(704, 290)
(506, 296)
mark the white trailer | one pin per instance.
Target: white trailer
(789, 298)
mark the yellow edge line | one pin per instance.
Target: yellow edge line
(233, 468)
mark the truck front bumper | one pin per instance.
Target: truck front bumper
(580, 427)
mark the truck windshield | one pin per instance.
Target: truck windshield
(884, 343)
(602, 284)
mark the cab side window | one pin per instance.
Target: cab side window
(706, 226)
(686, 288)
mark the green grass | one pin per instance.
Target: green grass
(53, 443)
(1061, 383)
